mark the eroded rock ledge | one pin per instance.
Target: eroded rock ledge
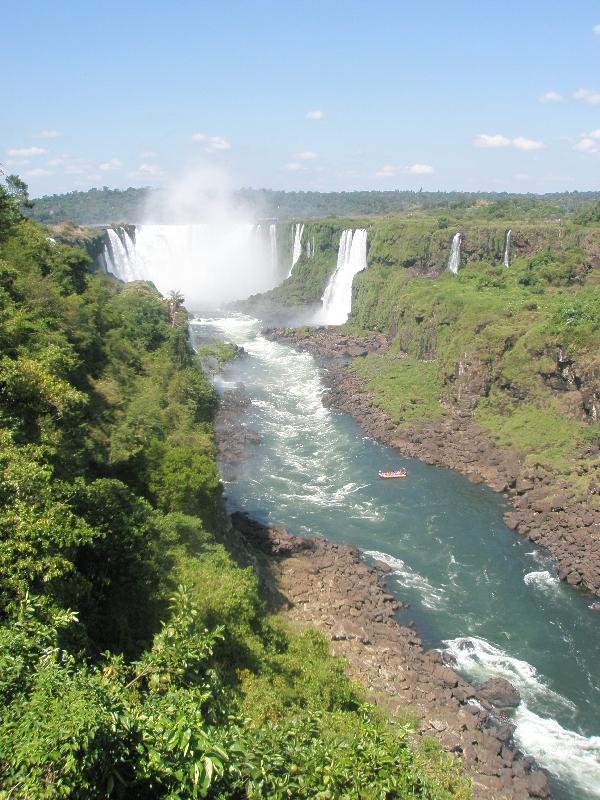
(544, 511)
(316, 582)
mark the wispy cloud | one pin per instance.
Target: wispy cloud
(305, 155)
(491, 140)
(295, 166)
(110, 165)
(146, 170)
(551, 97)
(589, 96)
(588, 142)
(596, 29)
(149, 154)
(315, 115)
(47, 133)
(212, 144)
(496, 140)
(26, 152)
(523, 143)
(420, 169)
(38, 172)
(390, 170)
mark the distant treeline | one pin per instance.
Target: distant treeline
(106, 205)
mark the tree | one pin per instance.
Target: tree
(175, 301)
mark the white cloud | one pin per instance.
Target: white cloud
(148, 154)
(419, 169)
(589, 96)
(522, 143)
(586, 145)
(212, 144)
(294, 166)
(588, 142)
(389, 170)
(551, 97)
(495, 140)
(596, 30)
(491, 140)
(109, 166)
(48, 133)
(315, 115)
(146, 171)
(38, 172)
(306, 155)
(17, 162)
(25, 152)
(522, 176)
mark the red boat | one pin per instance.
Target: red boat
(398, 473)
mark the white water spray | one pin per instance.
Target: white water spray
(507, 248)
(209, 263)
(454, 260)
(352, 258)
(566, 753)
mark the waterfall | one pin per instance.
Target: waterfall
(352, 258)
(454, 260)
(273, 248)
(507, 248)
(297, 248)
(209, 263)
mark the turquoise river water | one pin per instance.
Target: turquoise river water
(453, 559)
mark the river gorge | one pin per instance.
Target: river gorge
(478, 591)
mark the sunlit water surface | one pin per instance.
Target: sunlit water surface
(464, 573)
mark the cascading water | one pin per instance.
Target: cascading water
(454, 260)
(507, 248)
(476, 589)
(209, 263)
(352, 258)
(297, 248)
(273, 249)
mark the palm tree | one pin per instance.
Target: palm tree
(175, 301)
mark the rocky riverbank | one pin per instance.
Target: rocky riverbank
(328, 585)
(545, 511)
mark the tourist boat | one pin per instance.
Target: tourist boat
(398, 473)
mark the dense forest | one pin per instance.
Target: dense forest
(137, 659)
(104, 206)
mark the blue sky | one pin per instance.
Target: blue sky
(463, 95)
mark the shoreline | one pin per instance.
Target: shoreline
(327, 585)
(314, 582)
(542, 512)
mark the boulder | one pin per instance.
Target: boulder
(500, 693)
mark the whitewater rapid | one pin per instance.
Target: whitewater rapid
(474, 587)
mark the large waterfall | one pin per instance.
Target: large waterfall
(454, 260)
(210, 264)
(507, 248)
(352, 258)
(297, 247)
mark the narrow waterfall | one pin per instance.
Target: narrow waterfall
(454, 260)
(297, 248)
(209, 264)
(273, 249)
(507, 248)
(352, 258)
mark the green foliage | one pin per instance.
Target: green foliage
(110, 504)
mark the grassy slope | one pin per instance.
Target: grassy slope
(505, 327)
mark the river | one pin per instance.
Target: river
(465, 574)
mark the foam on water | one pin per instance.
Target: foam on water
(543, 580)
(430, 596)
(567, 754)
